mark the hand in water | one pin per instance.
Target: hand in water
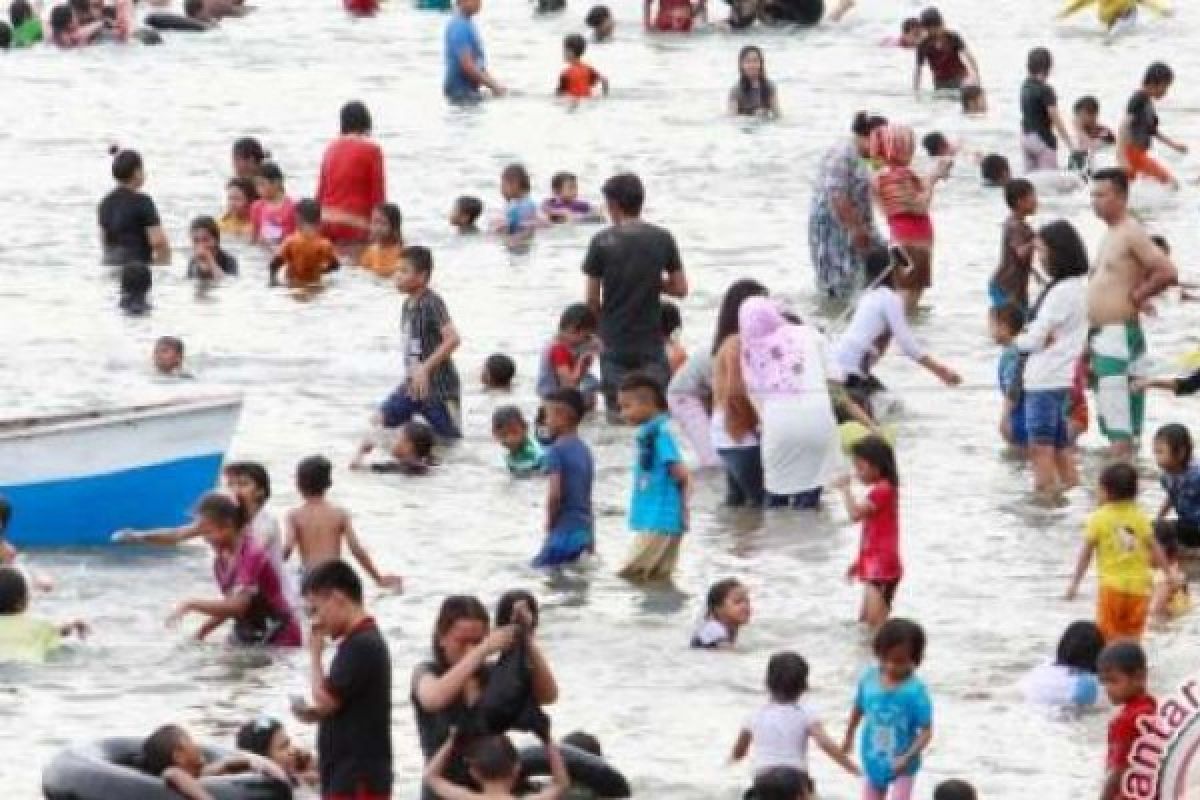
(176, 616)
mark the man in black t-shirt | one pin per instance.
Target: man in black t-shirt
(629, 266)
(352, 705)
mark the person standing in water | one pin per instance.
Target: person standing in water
(1039, 115)
(754, 94)
(466, 65)
(1130, 272)
(130, 229)
(352, 181)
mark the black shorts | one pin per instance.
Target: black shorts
(1173, 534)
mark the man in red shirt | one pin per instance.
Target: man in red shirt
(352, 180)
(1122, 669)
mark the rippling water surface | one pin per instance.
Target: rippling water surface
(985, 570)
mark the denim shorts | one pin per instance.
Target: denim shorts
(1046, 417)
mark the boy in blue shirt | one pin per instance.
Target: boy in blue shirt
(1006, 322)
(569, 472)
(658, 510)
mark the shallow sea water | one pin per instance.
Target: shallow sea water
(985, 569)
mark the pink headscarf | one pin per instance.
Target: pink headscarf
(894, 144)
(772, 350)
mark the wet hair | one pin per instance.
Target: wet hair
(745, 87)
(575, 44)
(314, 475)
(125, 163)
(208, 225)
(308, 212)
(1124, 658)
(641, 383)
(1161, 243)
(955, 790)
(864, 123)
(470, 207)
(395, 220)
(931, 18)
(910, 24)
(1010, 316)
(158, 749)
(250, 149)
(718, 593)
(1119, 482)
(669, 318)
(245, 186)
(625, 191)
(597, 16)
(879, 454)
(420, 259)
(582, 740)
(561, 179)
(516, 174)
(5, 513)
(969, 94)
(1158, 74)
(255, 736)
(334, 575)
(500, 369)
(1088, 104)
(492, 758)
(355, 118)
(571, 398)
(14, 591)
(878, 269)
(1080, 646)
(270, 172)
(1175, 436)
(60, 19)
(781, 783)
(176, 344)
(1039, 61)
(506, 606)
(934, 143)
(995, 170)
(254, 472)
(1017, 190)
(19, 11)
(456, 608)
(727, 316)
(421, 437)
(1114, 175)
(900, 632)
(577, 317)
(506, 416)
(1066, 254)
(787, 676)
(222, 510)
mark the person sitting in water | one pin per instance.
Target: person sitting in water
(209, 261)
(520, 214)
(273, 214)
(726, 612)
(382, 255)
(1069, 679)
(494, 765)
(951, 63)
(168, 358)
(26, 25)
(578, 79)
(235, 220)
(24, 637)
(306, 256)
(564, 204)
(754, 94)
(522, 454)
(673, 16)
(464, 214)
(600, 20)
(412, 451)
(170, 753)
(267, 738)
(498, 373)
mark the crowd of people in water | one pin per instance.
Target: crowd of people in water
(790, 415)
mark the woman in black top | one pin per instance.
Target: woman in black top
(753, 94)
(446, 688)
(130, 230)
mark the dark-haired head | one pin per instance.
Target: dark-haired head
(127, 167)
(781, 783)
(508, 417)
(1119, 482)
(597, 16)
(931, 19)
(1087, 105)
(221, 511)
(270, 172)
(1080, 646)
(1039, 62)
(1116, 177)
(506, 606)
(516, 177)
(718, 593)
(624, 193)
(314, 476)
(642, 384)
(561, 180)
(14, 591)
(255, 736)
(954, 790)
(995, 170)
(420, 259)
(1158, 75)
(899, 632)
(1065, 255)
(935, 144)
(1016, 191)
(468, 208)
(455, 609)
(1124, 658)
(575, 45)
(875, 450)
(878, 269)
(19, 11)
(731, 304)
(570, 399)
(577, 318)
(334, 576)
(160, 747)
(253, 472)
(865, 122)
(355, 118)
(1174, 437)
(910, 25)
(308, 213)
(498, 371)
(61, 18)
(743, 78)
(208, 225)
(395, 220)
(421, 437)
(493, 758)
(787, 677)
(249, 149)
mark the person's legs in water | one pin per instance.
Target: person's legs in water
(693, 421)
(1045, 421)
(743, 469)
(1118, 355)
(615, 366)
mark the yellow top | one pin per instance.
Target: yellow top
(1110, 11)
(26, 638)
(1122, 535)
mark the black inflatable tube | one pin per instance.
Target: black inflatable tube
(584, 768)
(794, 12)
(103, 771)
(164, 21)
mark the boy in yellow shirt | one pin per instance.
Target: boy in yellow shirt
(1121, 536)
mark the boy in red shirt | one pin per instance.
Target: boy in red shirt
(578, 79)
(1122, 669)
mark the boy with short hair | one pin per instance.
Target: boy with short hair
(569, 470)
(496, 767)
(1090, 135)
(1121, 536)
(1006, 322)
(564, 204)
(1010, 281)
(306, 255)
(522, 454)
(352, 703)
(566, 363)
(168, 357)
(578, 79)
(318, 528)
(658, 510)
(995, 171)
(465, 214)
(498, 372)
(1139, 128)
(1123, 672)
(600, 20)
(955, 790)
(172, 754)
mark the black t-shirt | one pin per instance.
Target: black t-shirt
(944, 55)
(433, 727)
(1144, 119)
(124, 216)
(225, 262)
(354, 745)
(1037, 98)
(630, 259)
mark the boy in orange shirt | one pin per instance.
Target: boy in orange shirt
(306, 255)
(578, 78)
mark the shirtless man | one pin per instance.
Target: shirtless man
(1130, 271)
(318, 527)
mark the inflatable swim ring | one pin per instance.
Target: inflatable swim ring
(854, 432)
(585, 769)
(106, 770)
(793, 12)
(165, 21)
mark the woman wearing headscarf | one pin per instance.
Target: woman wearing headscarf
(841, 229)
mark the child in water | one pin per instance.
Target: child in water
(498, 373)
(569, 472)
(578, 79)
(305, 255)
(564, 204)
(522, 454)
(995, 171)
(600, 20)
(168, 358)
(726, 611)
(896, 710)
(1005, 323)
(412, 451)
(1173, 453)
(1068, 680)
(1140, 128)
(209, 261)
(382, 255)
(566, 362)
(753, 95)
(273, 215)
(266, 738)
(878, 564)
(910, 36)
(1124, 674)
(520, 213)
(318, 528)
(780, 730)
(24, 637)
(495, 767)
(465, 214)
(1010, 282)
(26, 24)
(170, 753)
(1090, 135)
(236, 221)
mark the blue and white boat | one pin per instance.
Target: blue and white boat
(74, 479)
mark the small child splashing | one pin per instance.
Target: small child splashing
(382, 255)
(412, 451)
